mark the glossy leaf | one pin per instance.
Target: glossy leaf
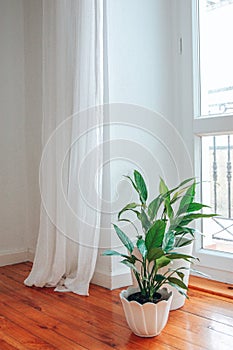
(184, 243)
(196, 206)
(177, 282)
(181, 185)
(132, 182)
(128, 207)
(186, 219)
(154, 236)
(168, 208)
(159, 278)
(168, 241)
(187, 199)
(124, 239)
(161, 262)
(154, 207)
(192, 207)
(154, 253)
(130, 265)
(174, 256)
(180, 274)
(142, 247)
(146, 224)
(111, 252)
(141, 186)
(163, 189)
(179, 289)
(114, 252)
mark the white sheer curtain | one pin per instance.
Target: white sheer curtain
(70, 181)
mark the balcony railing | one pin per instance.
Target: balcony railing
(221, 155)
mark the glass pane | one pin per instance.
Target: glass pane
(216, 56)
(217, 191)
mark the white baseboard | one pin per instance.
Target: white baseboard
(99, 278)
(15, 257)
(111, 282)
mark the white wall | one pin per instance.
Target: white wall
(146, 69)
(20, 132)
(33, 112)
(140, 53)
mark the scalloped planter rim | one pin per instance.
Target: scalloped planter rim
(149, 319)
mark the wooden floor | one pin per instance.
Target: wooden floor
(34, 318)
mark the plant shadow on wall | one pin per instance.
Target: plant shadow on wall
(158, 258)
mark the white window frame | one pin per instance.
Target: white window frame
(217, 265)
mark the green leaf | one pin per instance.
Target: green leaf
(111, 252)
(163, 261)
(129, 264)
(132, 183)
(188, 198)
(192, 207)
(124, 239)
(141, 186)
(142, 247)
(185, 242)
(132, 258)
(179, 187)
(180, 290)
(128, 207)
(154, 207)
(168, 208)
(180, 274)
(159, 278)
(114, 252)
(168, 241)
(186, 219)
(177, 282)
(146, 224)
(175, 198)
(175, 255)
(155, 253)
(185, 182)
(183, 229)
(181, 190)
(198, 216)
(196, 206)
(154, 236)
(163, 189)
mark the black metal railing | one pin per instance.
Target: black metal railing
(222, 184)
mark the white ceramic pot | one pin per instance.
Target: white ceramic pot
(178, 300)
(149, 319)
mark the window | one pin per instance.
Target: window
(217, 157)
(216, 56)
(213, 128)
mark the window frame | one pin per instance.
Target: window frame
(218, 265)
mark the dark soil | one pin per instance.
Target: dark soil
(142, 300)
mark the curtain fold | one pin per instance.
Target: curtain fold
(72, 138)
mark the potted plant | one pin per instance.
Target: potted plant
(147, 306)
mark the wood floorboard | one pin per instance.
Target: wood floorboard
(39, 318)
